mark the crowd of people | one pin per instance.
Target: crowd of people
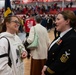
(49, 58)
(34, 8)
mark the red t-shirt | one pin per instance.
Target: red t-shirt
(28, 24)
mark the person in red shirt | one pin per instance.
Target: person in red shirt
(28, 24)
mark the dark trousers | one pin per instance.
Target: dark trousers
(26, 44)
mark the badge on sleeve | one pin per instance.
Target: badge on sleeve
(64, 57)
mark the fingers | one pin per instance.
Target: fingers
(24, 55)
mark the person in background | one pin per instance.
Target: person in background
(17, 50)
(71, 4)
(21, 32)
(61, 54)
(44, 20)
(27, 25)
(56, 33)
(49, 23)
(38, 55)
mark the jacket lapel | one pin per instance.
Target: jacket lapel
(67, 35)
(59, 42)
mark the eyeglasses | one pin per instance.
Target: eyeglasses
(17, 22)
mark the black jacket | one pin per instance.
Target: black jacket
(62, 55)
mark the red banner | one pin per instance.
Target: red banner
(27, 1)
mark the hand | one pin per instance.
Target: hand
(23, 54)
(43, 70)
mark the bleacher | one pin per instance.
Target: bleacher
(55, 11)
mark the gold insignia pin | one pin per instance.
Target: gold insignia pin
(64, 57)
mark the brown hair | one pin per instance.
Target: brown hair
(7, 19)
(68, 14)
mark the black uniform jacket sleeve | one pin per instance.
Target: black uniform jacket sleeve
(62, 55)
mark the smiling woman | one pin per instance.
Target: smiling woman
(11, 23)
(17, 50)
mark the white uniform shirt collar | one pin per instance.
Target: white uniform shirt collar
(63, 33)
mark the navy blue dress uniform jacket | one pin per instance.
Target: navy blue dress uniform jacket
(62, 56)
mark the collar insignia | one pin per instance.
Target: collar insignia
(59, 42)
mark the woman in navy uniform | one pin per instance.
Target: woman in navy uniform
(62, 51)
